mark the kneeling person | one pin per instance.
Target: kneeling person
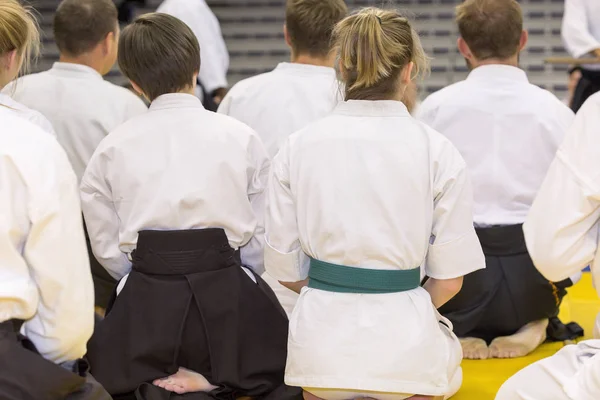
(173, 201)
(508, 131)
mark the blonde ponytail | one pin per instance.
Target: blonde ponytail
(373, 47)
(19, 31)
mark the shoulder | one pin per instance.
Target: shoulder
(441, 97)
(550, 106)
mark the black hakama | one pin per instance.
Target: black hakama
(508, 294)
(188, 303)
(104, 284)
(587, 86)
(26, 375)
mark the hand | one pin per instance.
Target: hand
(295, 286)
(596, 53)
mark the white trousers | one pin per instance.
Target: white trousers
(571, 374)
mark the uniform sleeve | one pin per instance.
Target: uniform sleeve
(56, 254)
(43, 122)
(562, 226)
(425, 112)
(102, 220)
(284, 258)
(253, 252)
(454, 249)
(585, 384)
(576, 31)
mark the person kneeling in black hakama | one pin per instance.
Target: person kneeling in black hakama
(173, 202)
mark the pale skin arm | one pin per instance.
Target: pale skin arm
(442, 290)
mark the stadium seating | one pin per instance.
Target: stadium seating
(253, 32)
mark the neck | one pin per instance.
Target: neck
(84, 59)
(4, 80)
(310, 60)
(511, 61)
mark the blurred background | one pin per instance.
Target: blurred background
(253, 32)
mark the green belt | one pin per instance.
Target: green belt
(342, 279)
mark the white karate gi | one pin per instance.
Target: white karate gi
(369, 186)
(283, 101)
(82, 107)
(175, 167)
(580, 28)
(562, 234)
(507, 130)
(45, 277)
(277, 104)
(24, 112)
(205, 25)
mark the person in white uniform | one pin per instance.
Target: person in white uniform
(581, 36)
(508, 131)
(361, 205)
(562, 237)
(280, 102)
(82, 107)
(46, 293)
(215, 56)
(17, 42)
(174, 202)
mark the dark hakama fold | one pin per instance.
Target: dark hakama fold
(587, 86)
(104, 283)
(188, 303)
(508, 294)
(26, 375)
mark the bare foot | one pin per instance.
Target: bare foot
(185, 381)
(474, 348)
(526, 340)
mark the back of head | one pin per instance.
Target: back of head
(374, 46)
(309, 24)
(80, 25)
(160, 54)
(18, 32)
(491, 28)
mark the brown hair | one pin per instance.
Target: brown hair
(160, 54)
(491, 28)
(18, 31)
(79, 25)
(374, 46)
(309, 24)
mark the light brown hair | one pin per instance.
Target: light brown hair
(79, 25)
(374, 46)
(18, 31)
(491, 28)
(309, 24)
(160, 54)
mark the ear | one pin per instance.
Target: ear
(406, 74)
(286, 35)
(464, 49)
(137, 89)
(108, 43)
(523, 40)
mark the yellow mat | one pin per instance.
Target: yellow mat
(483, 378)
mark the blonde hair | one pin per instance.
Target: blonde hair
(19, 31)
(374, 45)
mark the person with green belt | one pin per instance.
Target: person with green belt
(362, 204)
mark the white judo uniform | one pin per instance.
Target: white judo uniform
(141, 188)
(205, 25)
(562, 233)
(43, 279)
(277, 104)
(580, 29)
(27, 113)
(82, 107)
(369, 186)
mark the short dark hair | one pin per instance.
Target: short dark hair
(79, 25)
(491, 28)
(310, 23)
(160, 54)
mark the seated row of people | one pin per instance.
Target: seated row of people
(185, 208)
